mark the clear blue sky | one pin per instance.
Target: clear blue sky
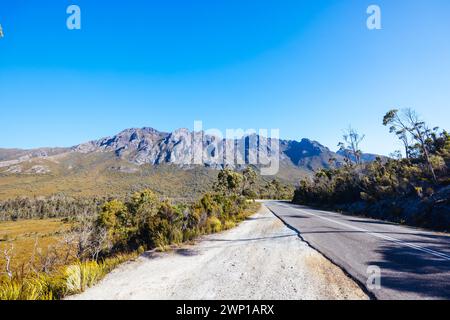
(310, 68)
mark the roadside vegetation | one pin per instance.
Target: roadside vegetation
(84, 247)
(57, 206)
(412, 188)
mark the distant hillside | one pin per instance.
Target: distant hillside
(22, 155)
(310, 155)
(365, 157)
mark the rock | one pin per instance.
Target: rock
(38, 169)
(125, 169)
(14, 169)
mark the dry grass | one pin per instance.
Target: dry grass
(253, 207)
(26, 236)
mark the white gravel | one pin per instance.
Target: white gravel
(259, 259)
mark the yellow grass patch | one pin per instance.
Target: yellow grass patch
(25, 235)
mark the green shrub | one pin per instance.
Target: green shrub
(141, 250)
(116, 219)
(213, 225)
(229, 225)
(10, 290)
(83, 275)
(36, 287)
(190, 234)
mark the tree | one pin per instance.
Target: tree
(116, 219)
(408, 122)
(398, 126)
(249, 180)
(8, 256)
(274, 189)
(228, 182)
(442, 146)
(350, 146)
(397, 155)
(143, 205)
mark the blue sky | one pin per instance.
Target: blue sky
(309, 68)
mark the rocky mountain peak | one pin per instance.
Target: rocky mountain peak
(184, 148)
(147, 145)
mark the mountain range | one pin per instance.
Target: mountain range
(145, 157)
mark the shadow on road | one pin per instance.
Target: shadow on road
(295, 217)
(409, 270)
(187, 252)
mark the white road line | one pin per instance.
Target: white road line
(382, 236)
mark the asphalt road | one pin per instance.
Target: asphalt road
(412, 263)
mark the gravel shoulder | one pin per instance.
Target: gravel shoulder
(259, 259)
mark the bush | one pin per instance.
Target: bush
(116, 219)
(38, 287)
(146, 221)
(190, 234)
(229, 225)
(83, 275)
(213, 225)
(58, 206)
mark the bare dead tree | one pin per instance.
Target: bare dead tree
(67, 242)
(32, 262)
(87, 239)
(350, 146)
(8, 253)
(99, 242)
(45, 260)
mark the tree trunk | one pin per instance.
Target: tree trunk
(430, 166)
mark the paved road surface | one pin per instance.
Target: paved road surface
(414, 264)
